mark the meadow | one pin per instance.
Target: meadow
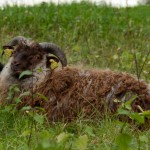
(92, 37)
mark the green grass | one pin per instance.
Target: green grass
(91, 36)
(16, 128)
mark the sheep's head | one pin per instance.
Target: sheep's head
(28, 55)
(25, 57)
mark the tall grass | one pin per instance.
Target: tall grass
(92, 36)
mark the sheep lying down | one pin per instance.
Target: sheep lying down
(70, 92)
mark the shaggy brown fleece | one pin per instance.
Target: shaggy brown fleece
(72, 92)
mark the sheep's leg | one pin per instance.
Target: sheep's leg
(114, 99)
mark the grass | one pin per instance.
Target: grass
(15, 130)
(91, 36)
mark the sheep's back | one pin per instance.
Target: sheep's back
(72, 92)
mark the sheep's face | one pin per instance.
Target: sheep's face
(29, 56)
(25, 58)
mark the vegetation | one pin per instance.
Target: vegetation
(148, 2)
(91, 36)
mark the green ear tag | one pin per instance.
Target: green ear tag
(8, 52)
(54, 64)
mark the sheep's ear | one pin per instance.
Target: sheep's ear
(51, 48)
(53, 62)
(7, 50)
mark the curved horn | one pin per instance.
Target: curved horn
(54, 49)
(15, 41)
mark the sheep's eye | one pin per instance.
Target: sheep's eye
(37, 57)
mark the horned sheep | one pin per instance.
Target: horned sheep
(70, 91)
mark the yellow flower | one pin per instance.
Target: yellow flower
(54, 64)
(8, 52)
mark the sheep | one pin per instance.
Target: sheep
(71, 91)
(28, 55)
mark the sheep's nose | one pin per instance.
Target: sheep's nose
(15, 63)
